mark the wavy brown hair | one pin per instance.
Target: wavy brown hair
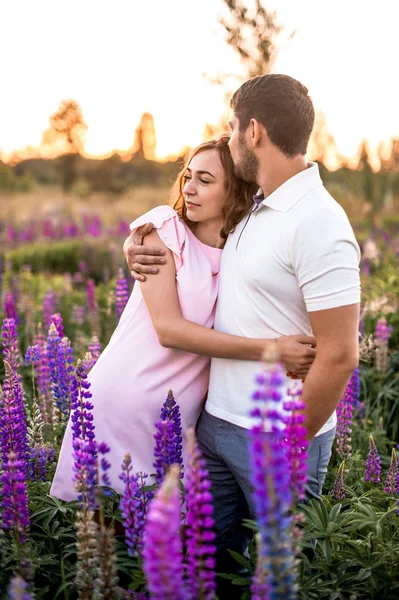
(238, 193)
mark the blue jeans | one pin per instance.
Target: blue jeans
(225, 448)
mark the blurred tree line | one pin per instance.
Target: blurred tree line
(253, 33)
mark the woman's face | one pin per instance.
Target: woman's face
(205, 187)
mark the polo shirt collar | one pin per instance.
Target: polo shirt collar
(292, 190)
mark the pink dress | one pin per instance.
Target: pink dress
(131, 379)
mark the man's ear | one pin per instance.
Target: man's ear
(255, 133)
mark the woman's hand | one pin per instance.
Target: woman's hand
(297, 353)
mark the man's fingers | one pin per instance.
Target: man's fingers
(143, 259)
(137, 276)
(146, 250)
(140, 268)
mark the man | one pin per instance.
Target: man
(291, 267)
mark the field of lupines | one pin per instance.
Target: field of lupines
(156, 541)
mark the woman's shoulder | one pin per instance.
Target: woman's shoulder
(157, 216)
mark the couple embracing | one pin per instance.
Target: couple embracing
(252, 251)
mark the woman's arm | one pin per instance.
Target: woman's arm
(160, 295)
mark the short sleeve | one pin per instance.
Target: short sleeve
(325, 257)
(169, 228)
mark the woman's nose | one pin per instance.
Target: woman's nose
(189, 188)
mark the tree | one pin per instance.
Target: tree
(65, 138)
(252, 34)
(145, 140)
(368, 180)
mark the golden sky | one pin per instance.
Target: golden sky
(120, 58)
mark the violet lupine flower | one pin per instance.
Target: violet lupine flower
(78, 315)
(14, 502)
(338, 490)
(43, 375)
(40, 454)
(83, 437)
(122, 294)
(9, 341)
(91, 296)
(18, 589)
(60, 360)
(345, 417)
(275, 575)
(164, 448)
(134, 505)
(56, 320)
(32, 355)
(393, 474)
(373, 463)
(200, 538)
(170, 411)
(95, 349)
(382, 333)
(9, 307)
(48, 308)
(13, 428)
(162, 552)
(296, 443)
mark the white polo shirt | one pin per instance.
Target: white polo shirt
(295, 254)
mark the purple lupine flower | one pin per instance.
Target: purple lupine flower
(78, 315)
(83, 437)
(162, 552)
(393, 474)
(170, 411)
(134, 505)
(91, 296)
(32, 355)
(275, 573)
(164, 448)
(43, 376)
(13, 428)
(122, 294)
(9, 307)
(200, 537)
(9, 341)
(382, 333)
(296, 443)
(102, 450)
(373, 463)
(338, 490)
(94, 348)
(39, 457)
(48, 308)
(14, 502)
(345, 417)
(56, 320)
(60, 362)
(18, 589)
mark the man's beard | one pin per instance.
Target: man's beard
(247, 167)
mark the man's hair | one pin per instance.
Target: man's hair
(282, 105)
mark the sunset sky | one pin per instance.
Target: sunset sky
(119, 59)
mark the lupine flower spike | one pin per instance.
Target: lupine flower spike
(275, 575)
(338, 490)
(18, 589)
(393, 474)
(199, 534)
(162, 552)
(345, 418)
(94, 349)
(134, 505)
(373, 463)
(168, 439)
(122, 294)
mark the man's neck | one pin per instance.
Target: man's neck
(273, 173)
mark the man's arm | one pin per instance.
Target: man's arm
(336, 333)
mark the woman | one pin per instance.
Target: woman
(165, 338)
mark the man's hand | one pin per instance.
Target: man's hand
(139, 258)
(297, 353)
